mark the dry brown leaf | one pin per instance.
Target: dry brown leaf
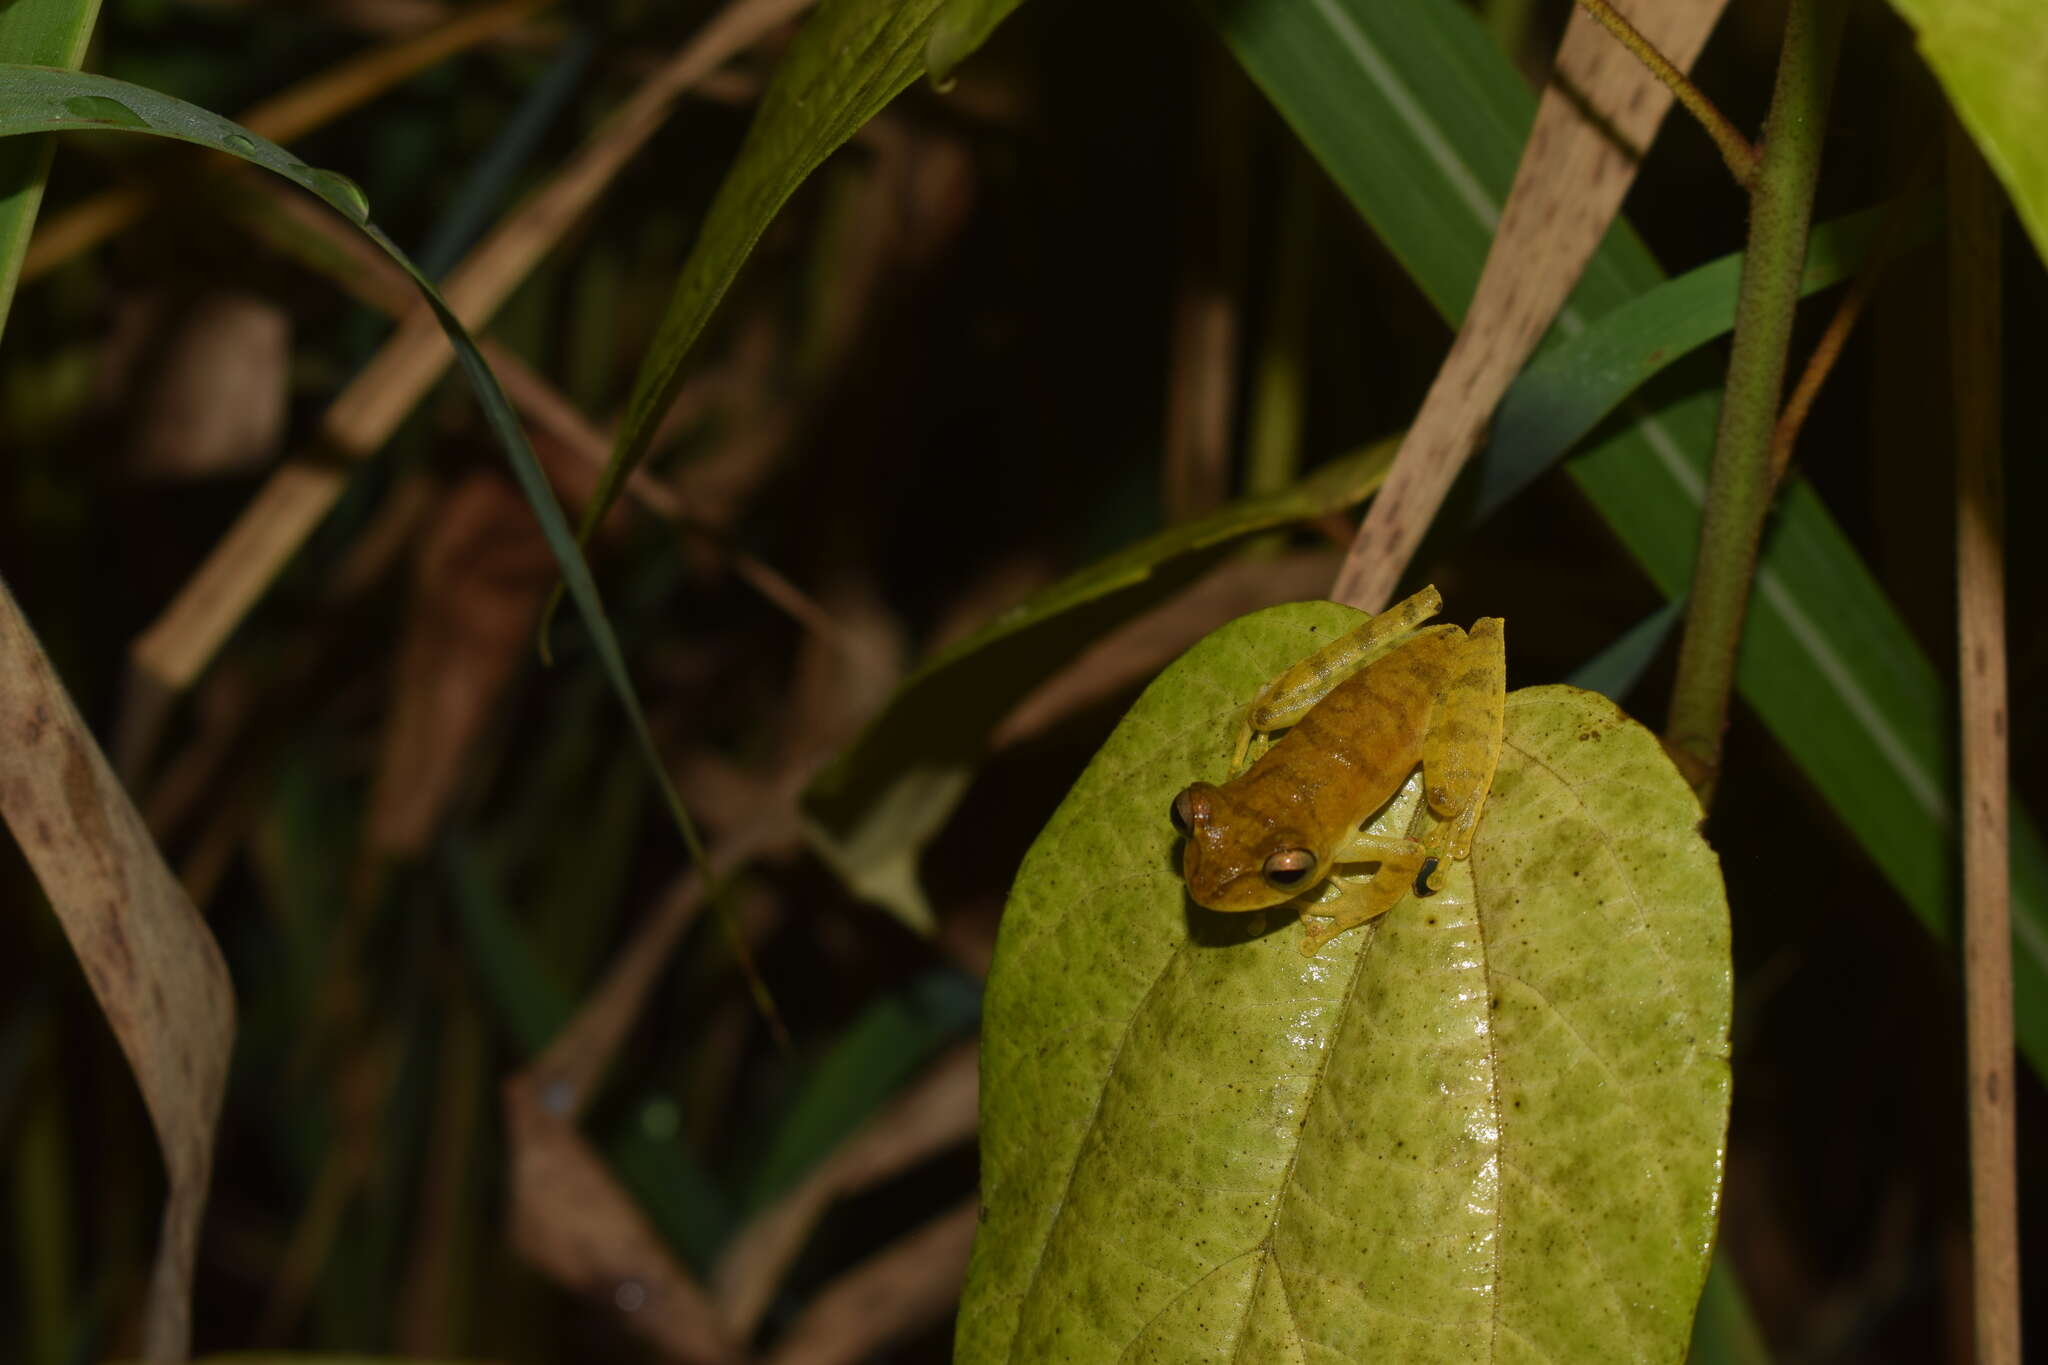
(934, 1114)
(482, 573)
(283, 118)
(151, 961)
(1202, 364)
(182, 640)
(571, 1219)
(202, 383)
(907, 1286)
(380, 16)
(1574, 171)
(566, 1074)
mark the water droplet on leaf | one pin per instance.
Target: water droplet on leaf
(100, 109)
(342, 192)
(239, 145)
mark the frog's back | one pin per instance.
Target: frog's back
(1355, 749)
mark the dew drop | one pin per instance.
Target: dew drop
(340, 191)
(239, 145)
(100, 109)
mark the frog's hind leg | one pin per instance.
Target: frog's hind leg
(1461, 749)
(1295, 693)
(1355, 900)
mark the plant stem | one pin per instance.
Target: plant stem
(1735, 148)
(1973, 225)
(1739, 483)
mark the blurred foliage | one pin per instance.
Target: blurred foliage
(940, 385)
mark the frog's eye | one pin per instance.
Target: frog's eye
(1183, 818)
(1287, 868)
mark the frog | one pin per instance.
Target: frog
(1359, 715)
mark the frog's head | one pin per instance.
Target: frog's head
(1237, 857)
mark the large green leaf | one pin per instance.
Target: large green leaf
(1487, 1127)
(851, 59)
(1420, 118)
(43, 100)
(1991, 57)
(36, 33)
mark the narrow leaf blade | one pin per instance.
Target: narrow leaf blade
(39, 33)
(40, 99)
(850, 60)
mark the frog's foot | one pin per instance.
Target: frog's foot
(1354, 900)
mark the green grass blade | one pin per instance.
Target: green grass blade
(531, 1004)
(1420, 120)
(851, 58)
(42, 100)
(1725, 1332)
(1573, 384)
(36, 33)
(688, 1204)
(1615, 670)
(869, 1062)
(1989, 56)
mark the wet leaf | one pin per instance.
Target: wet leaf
(1488, 1127)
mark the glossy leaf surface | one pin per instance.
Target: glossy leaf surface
(1488, 1127)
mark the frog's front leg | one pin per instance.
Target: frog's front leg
(1355, 901)
(1295, 693)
